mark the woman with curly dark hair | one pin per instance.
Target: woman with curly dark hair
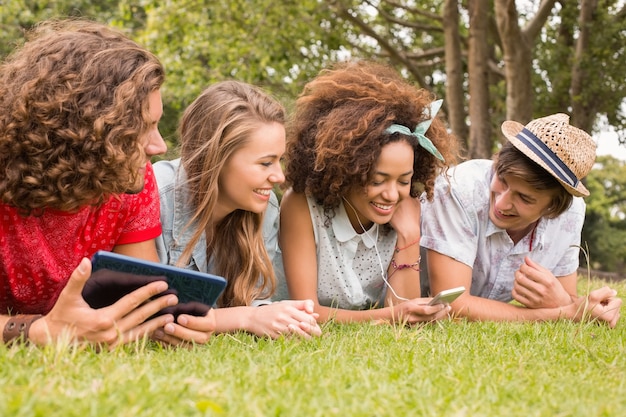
(363, 145)
(80, 107)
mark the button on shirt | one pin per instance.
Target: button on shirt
(456, 224)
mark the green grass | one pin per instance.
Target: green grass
(451, 368)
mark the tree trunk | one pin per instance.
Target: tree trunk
(583, 115)
(455, 94)
(480, 143)
(517, 63)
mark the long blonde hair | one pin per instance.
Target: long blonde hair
(213, 128)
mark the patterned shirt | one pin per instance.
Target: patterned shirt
(457, 224)
(39, 253)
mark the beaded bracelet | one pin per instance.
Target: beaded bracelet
(397, 267)
(397, 249)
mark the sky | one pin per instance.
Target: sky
(608, 144)
(607, 138)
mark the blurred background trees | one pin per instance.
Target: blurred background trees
(491, 60)
(605, 222)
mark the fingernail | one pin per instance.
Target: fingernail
(82, 266)
(158, 333)
(169, 328)
(172, 300)
(182, 320)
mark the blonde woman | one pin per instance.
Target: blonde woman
(213, 200)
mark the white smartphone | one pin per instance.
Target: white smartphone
(447, 296)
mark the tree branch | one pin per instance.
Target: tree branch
(534, 25)
(413, 10)
(394, 54)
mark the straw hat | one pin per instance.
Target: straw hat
(565, 151)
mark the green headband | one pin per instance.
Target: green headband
(420, 130)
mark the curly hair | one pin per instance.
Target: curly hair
(338, 130)
(74, 103)
(213, 128)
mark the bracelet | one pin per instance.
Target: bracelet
(17, 327)
(397, 267)
(397, 249)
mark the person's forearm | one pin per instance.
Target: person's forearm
(482, 309)
(403, 272)
(28, 327)
(349, 316)
(232, 319)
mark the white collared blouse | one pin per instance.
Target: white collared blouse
(349, 265)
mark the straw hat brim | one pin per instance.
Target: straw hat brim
(510, 129)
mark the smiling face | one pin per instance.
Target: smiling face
(390, 184)
(250, 174)
(515, 205)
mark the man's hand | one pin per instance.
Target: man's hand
(601, 305)
(537, 287)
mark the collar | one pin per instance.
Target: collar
(542, 224)
(344, 231)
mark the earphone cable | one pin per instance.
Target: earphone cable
(383, 273)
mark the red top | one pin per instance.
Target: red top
(39, 253)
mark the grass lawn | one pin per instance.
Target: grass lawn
(451, 368)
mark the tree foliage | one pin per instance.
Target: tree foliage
(276, 45)
(605, 223)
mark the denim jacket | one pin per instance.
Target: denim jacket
(176, 213)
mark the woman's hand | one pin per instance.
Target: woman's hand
(124, 321)
(188, 329)
(285, 317)
(272, 320)
(417, 310)
(406, 218)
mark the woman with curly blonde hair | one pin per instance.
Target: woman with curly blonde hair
(80, 107)
(213, 201)
(362, 147)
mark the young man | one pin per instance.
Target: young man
(510, 229)
(80, 107)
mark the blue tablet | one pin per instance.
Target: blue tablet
(115, 275)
